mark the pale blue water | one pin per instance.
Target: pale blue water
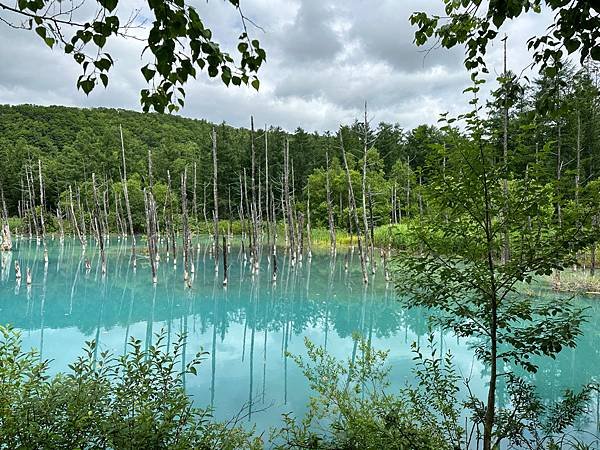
(247, 328)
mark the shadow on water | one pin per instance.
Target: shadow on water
(248, 328)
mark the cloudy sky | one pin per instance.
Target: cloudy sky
(324, 59)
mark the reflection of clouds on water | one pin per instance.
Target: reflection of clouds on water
(247, 328)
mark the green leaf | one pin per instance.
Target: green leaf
(110, 5)
(148, 73)
(87, 85)
(41, 31)
(99, 40)
(572, 45)
(256, 84)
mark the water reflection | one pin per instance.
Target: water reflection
(248, 328)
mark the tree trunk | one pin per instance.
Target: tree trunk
(354, 214)
(42, 202)
(506, 244)
(308, 226)
(186, 232)
(332, 239)
(126, 195)
(215, 198)
(288, 208)
(224, 261)
(364, 178)
(74, 218)
(98, 224)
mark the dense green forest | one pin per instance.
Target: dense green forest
(552, 134)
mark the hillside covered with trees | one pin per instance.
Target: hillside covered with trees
(552, 133)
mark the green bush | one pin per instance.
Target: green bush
(353, 410)
(133, 401)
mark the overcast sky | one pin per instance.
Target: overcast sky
(324, 59)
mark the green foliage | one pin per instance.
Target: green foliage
(132, 401)
(486, 235)
(178, 41)
(352, 409)
(576, 28)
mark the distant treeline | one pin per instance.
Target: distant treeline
(553, 134)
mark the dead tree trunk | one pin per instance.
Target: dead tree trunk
(267, 181)
(32, 208)
(150, 208)
(308, 227)
(81, 214)
(364, 177)
(170, 224)
(332, 239)
(74, 219)
(42, 202)
(195, 197)
(186, 231)
(126, 195)
(371, 231)
(253, 206)
(224, 261)
(288, 208)
(215, 199)
(5, 237)
(61, 228)
(354, 214)
(97, 221)
(105, 207)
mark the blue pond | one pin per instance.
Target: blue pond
(247, 328)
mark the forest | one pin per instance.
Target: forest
(551, 133)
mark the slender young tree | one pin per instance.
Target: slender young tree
(461, 275)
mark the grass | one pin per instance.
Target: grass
(577, 281)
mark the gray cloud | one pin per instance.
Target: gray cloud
(324, 60)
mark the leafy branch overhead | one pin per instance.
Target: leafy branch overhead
(575, 28)
(179, 43)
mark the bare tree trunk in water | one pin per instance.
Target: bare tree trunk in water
(98, 224)
(308, 227)
(42, 202)
(186, 231)
(127, 204)
(354, 214)
(371, 231)
(74, 218)
(332, 239)
(288, 206)
(364, 178)
(215, 199)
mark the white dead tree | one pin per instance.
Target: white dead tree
(215, 199)
(354, 214)
(6, 243)
(126, 195)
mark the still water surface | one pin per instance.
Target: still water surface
(247, 328)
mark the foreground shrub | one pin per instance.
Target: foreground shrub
(132, 401)
(354, 408)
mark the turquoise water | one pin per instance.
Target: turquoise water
(247, 328)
